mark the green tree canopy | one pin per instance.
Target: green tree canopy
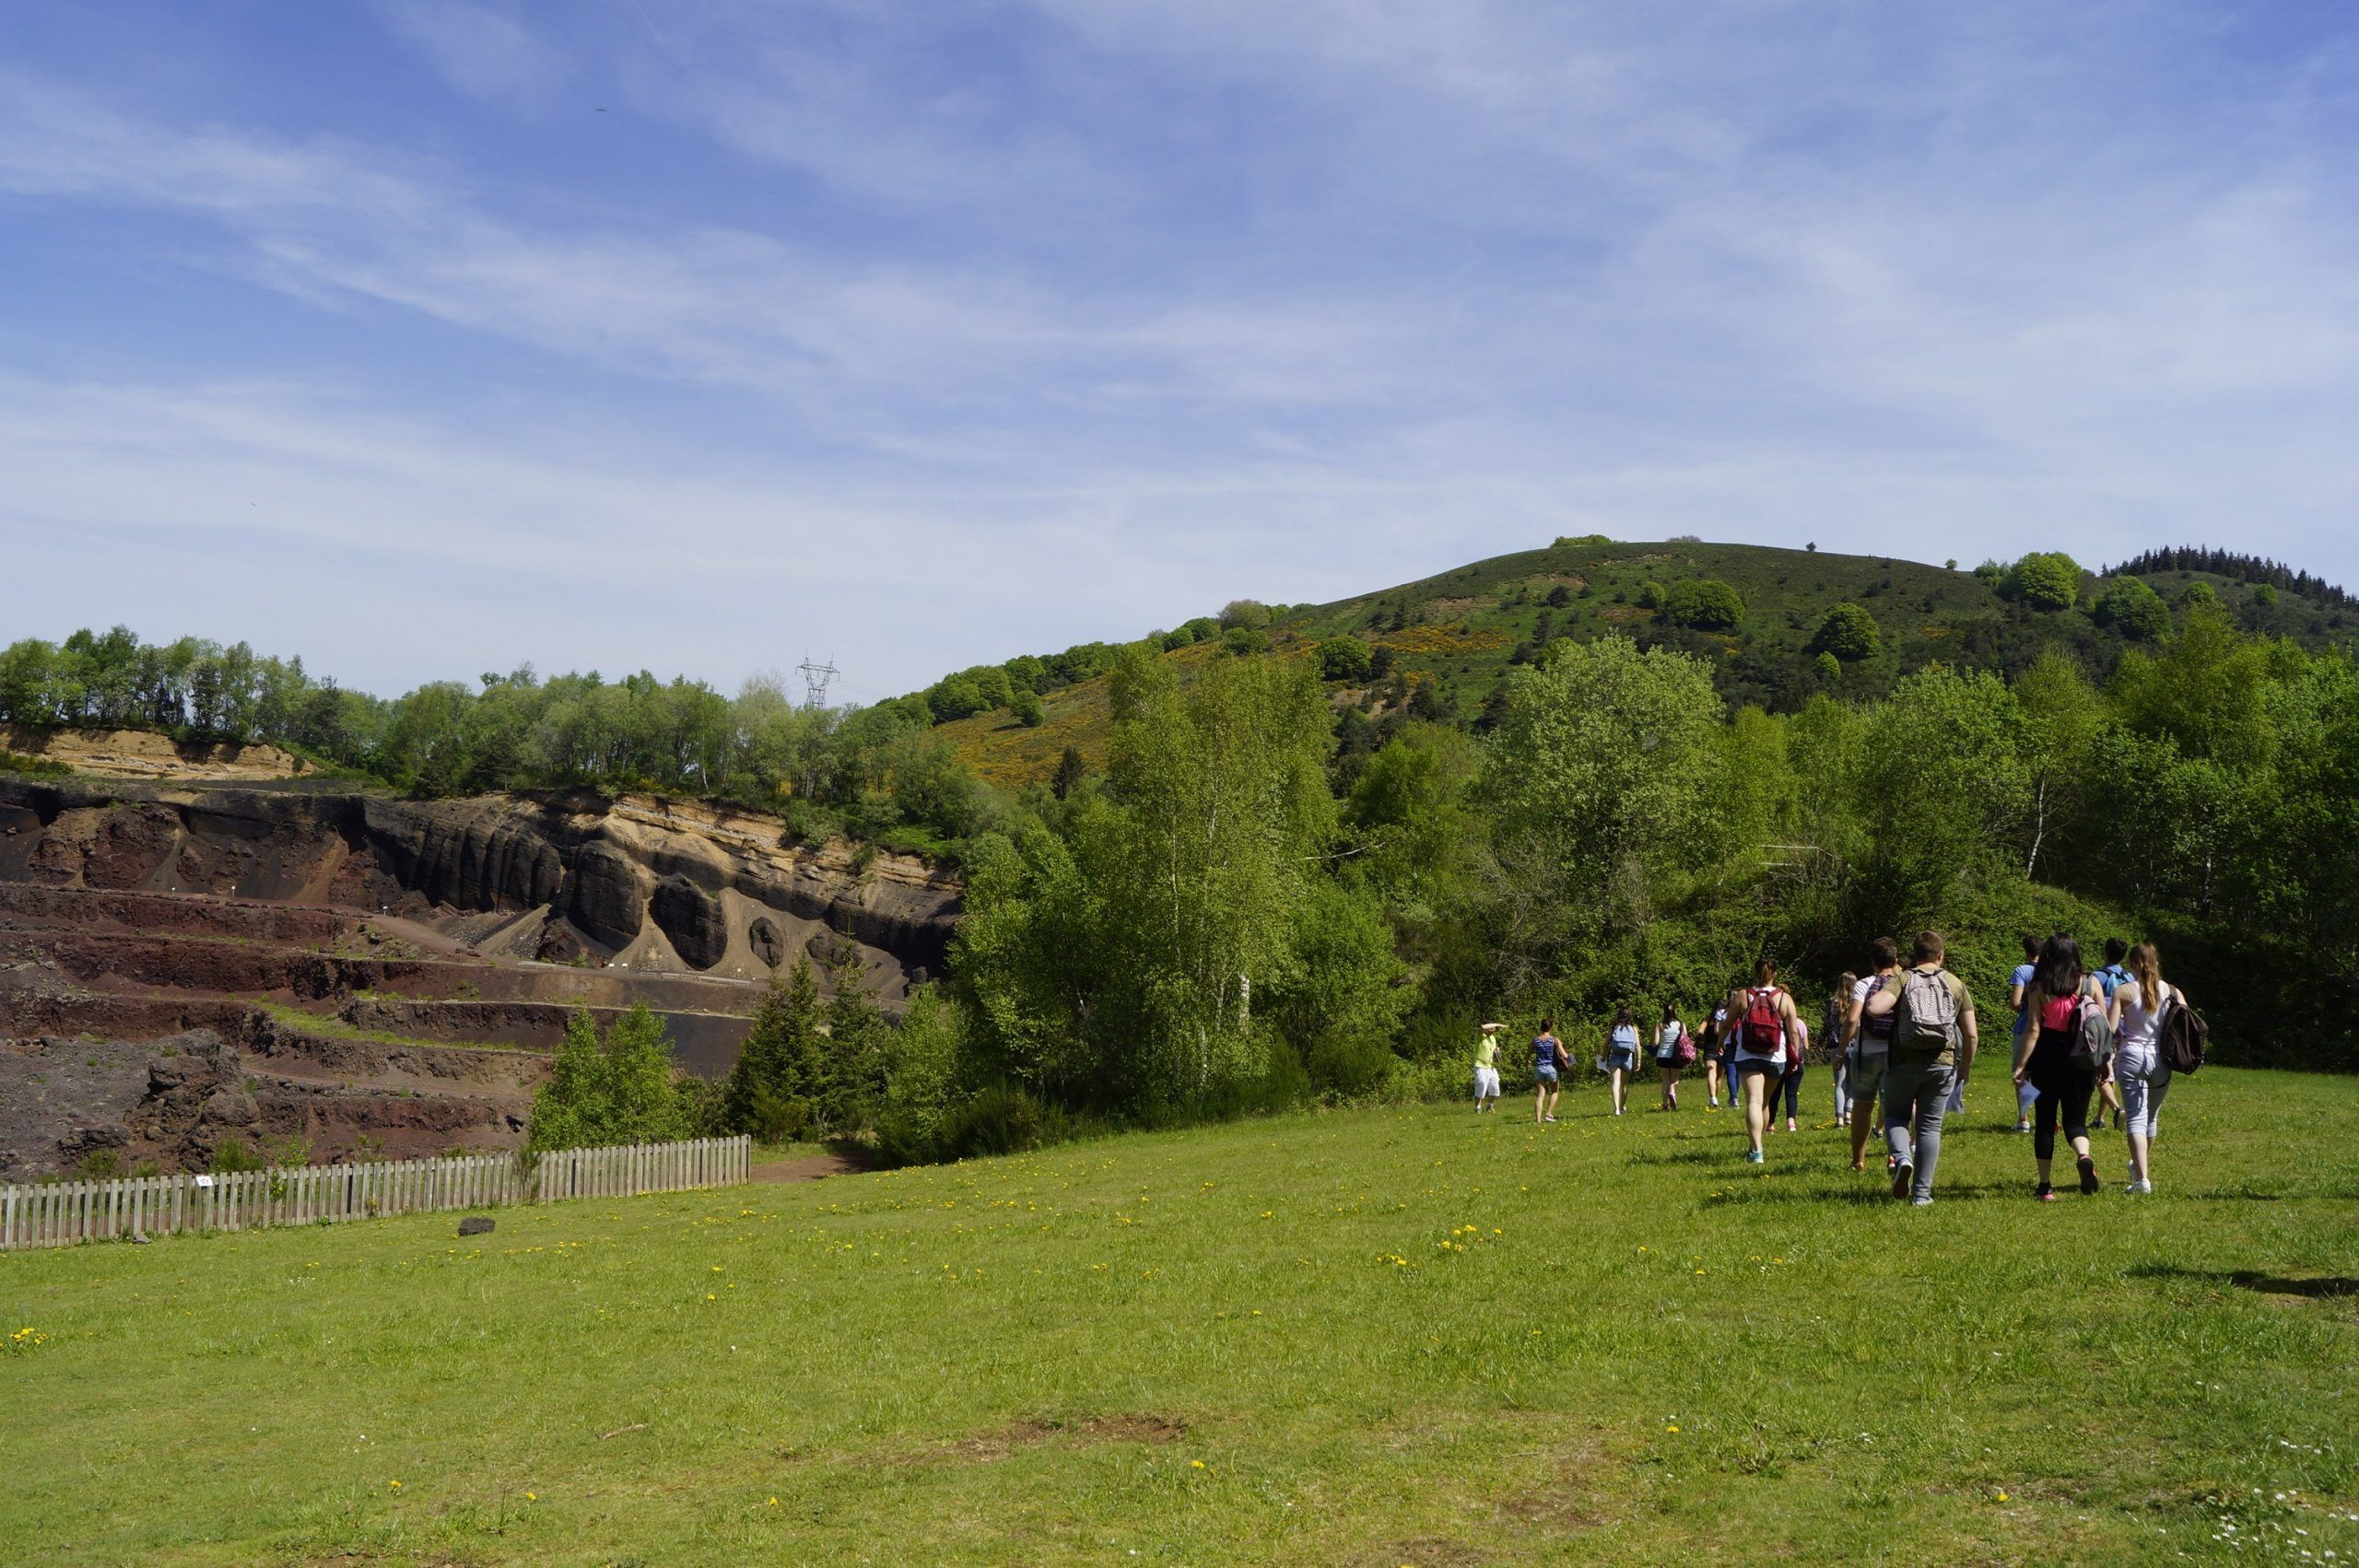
(1848, 632)
(1342, 659)
(1598, 776)
(2129, 606)
(2044, 580)
(618, 1090)
(1704, 604)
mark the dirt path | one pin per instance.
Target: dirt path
(807, 1168)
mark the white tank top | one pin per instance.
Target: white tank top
(2140, 1028)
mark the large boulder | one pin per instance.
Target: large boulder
(602, 895)
(693, 918)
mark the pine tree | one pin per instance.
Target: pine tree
(854, 1078)
(779, 1072)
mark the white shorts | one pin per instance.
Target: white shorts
(1486, 1082)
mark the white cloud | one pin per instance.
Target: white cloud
(1097, 314)
(478, 49)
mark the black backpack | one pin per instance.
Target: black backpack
(2181, 1041)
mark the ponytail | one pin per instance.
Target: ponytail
(2146, 968)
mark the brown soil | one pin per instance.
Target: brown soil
(808, 1167)
(987, 1447)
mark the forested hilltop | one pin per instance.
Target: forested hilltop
(1289, 851)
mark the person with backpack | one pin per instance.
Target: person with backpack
(1838, 1050)
(2143, 1005)
(1487, 1069)
(2063, 1057)
(1621, 1057)
(1724, 1054)
(2016, 982)
(1790, 1084)
(1761, 1025)
(2110, 977)
(1934, 1042)
(1674, 1052)
(1868, 1027)
(1548, 1064)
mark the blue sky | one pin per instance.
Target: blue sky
(427, 337)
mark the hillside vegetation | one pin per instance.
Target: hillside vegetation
(1461, 631)
(1300, 853)
(1378, 1337)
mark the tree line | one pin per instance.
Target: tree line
(1234, 913)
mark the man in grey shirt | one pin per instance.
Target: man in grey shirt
(1933, 1040)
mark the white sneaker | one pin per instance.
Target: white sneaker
(2140, 1189)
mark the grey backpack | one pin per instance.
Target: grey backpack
(1927, 1014)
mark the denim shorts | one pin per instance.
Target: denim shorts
(1766, 1068)
(1621, 1059)
(1545, 1074)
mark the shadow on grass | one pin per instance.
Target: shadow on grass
(2321, 1287)
(1870, 1193)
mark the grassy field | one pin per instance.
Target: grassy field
(1408, 1336)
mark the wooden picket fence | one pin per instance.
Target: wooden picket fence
(61, 1214)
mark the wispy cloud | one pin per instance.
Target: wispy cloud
(478, 50)
(1287, 301)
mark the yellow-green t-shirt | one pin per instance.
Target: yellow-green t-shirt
(1486, 1051)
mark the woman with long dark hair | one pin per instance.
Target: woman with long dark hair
(2050, 1058)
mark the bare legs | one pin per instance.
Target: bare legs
(1670, 1088)
(1759, 1106)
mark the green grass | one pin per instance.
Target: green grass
(1200, 1346)
(328, 1026)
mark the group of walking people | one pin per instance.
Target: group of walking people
(1901, 1042)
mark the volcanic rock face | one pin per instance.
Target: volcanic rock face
(415, 961)
(647, 884)
(693, 918)
(604, 897)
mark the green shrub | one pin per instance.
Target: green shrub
(2045, 579)
(1344, 658)
(230, 1157)
(955, 696)
(1848, 632)
(620, 1089)
(1704, 603)
(2133, 608)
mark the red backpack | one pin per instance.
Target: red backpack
(1764, 1026)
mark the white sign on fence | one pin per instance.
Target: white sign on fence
(59, 1213)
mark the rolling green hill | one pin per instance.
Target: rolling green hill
(1459, 632)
